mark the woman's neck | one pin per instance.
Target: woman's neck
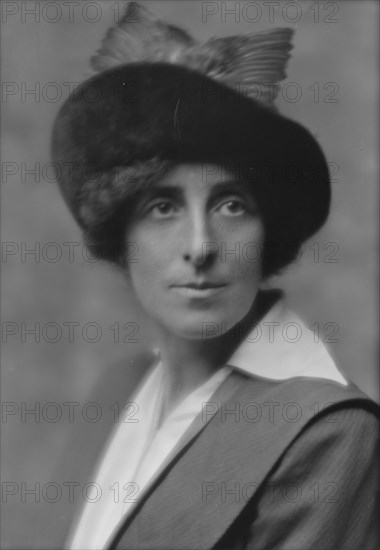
(189, 363)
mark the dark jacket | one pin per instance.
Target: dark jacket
(280, 464)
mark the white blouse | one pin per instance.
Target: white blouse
(280, 347)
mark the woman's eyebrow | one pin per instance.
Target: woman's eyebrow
(163, 190)
(230, 186)
(178, 191)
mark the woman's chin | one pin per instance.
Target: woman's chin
(201, 328)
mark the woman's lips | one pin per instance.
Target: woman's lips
(201, 290)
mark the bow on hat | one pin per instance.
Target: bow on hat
(254, 62)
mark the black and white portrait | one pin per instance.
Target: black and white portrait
(189, 256)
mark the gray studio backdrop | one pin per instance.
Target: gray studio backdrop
(64, 316)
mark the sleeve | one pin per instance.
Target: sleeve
(323, 493)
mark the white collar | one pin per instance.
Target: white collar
(281, 346)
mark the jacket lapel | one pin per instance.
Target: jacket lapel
(222, 461)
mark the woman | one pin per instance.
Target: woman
(239, 435)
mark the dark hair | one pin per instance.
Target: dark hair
(106, 213)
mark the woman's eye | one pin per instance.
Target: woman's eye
(163, 209)
(232, 208)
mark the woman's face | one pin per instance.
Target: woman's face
(199, 237)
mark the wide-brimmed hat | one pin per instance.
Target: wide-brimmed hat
(156, 93)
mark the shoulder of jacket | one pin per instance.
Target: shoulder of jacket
(302, 389)
(284, 409)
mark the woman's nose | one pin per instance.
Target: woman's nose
(200, 247)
